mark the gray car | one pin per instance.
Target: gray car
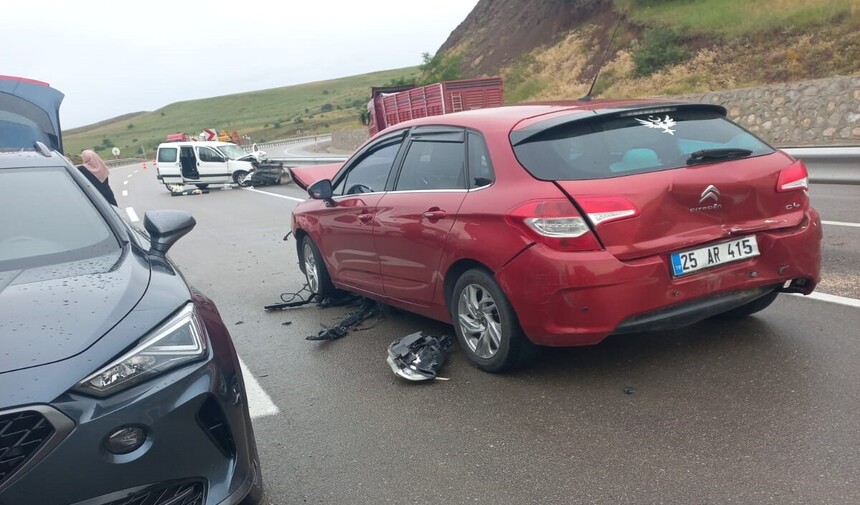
(119, 383)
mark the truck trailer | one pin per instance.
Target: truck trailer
(393, 104)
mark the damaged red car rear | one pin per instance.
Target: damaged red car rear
(561, 224)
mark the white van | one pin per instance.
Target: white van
(201, 164)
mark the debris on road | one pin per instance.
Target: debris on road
(418, 357)
(183, 192)
(366, 309)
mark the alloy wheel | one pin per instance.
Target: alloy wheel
(478, 317)
(311, 268)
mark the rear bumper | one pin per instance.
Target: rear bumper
(569, 299)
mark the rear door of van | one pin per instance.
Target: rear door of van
(167, 164)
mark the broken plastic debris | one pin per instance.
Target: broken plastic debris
(418, 357)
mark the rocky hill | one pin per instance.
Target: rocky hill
(548, 49)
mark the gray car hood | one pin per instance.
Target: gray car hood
(52, 313)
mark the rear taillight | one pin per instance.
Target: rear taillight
(793, 177)
(554, 223)
(604, 209)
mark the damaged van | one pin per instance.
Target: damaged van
(201, 164)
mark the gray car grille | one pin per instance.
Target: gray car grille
(22, 433)
(167, 493)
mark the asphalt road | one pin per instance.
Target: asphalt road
(763, 410)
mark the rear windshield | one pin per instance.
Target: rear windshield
(48, 220)
(601, 148)
(22, 124)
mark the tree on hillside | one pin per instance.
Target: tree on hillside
(439, 68)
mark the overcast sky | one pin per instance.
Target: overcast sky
(115, 57)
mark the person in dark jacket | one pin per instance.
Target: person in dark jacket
(96, 171)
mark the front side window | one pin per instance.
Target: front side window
(370, 173)
(207, 154)
(54, 221)
(635, 143)
(167, 155)
(433, 165)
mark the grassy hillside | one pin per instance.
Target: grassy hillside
(263, 115)
(662, 47)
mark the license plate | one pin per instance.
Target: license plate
(687, 262)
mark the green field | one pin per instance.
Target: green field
(263, 115)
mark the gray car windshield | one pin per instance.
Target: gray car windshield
(602, 148)
(48, 219)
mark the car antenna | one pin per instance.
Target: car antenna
(587, 97)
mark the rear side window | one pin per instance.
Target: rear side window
(167, 155)
(54, 220)
(615, 146)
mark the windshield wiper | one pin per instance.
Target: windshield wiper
(717, 154)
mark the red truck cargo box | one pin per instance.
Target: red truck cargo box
(389, 106)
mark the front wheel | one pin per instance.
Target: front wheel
(486, 326)
(316, 273)
(242, 178)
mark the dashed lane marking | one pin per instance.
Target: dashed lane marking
(841, 223)
(259, 402)
(125, 182)
(132, 214)
(275, 194)
(125, 192)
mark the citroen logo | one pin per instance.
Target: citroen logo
(711, 192)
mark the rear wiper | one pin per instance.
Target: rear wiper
(717, 154)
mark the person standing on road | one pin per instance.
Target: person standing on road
(96, 171)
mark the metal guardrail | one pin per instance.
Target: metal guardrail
(301, 161)
(829, 165)
(285, 142)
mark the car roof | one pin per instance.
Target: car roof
(31, 159)
(209, 143)
(509, 117)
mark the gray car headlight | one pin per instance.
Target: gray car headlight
(180, 340)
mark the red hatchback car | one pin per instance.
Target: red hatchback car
(561, 224)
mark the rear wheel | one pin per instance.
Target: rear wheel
(486, 326)
(750, 308)
(316, 273)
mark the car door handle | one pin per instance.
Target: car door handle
(435, 214)
(365, 217)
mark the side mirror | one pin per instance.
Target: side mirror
(321, 190)
(165, 227)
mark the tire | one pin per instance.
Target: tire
(750, 308)
(240, 177)
(487, 328)
(202, 186)
(316, 273)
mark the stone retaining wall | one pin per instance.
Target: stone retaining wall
(804, 113)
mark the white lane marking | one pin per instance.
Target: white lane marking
(132, 214)
(129, 175)
(841, 223)
(125, 192)
(259, 402)
(275, 194)
(125, 182)
(841, 300)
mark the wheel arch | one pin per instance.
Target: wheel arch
(455, 271)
